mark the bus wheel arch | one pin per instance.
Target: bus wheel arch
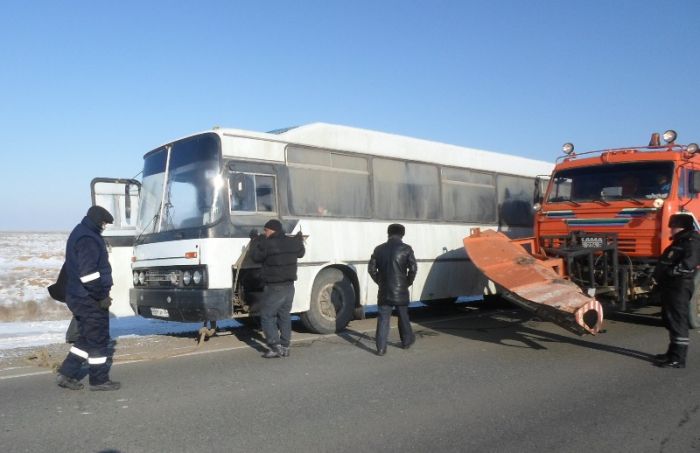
(334, 297)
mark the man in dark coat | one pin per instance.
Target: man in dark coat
(393, 268)
(88, 282)
(674, 277)
(278, 254)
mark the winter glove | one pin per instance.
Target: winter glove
(253, 234)
(105, 303)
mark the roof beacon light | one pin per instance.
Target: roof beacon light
(655, 140)
(692, 148)
(568, 148)
(670, 136)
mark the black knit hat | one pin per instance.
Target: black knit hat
(98, 214)
(396, 229)
(681, 221)
(274, 225)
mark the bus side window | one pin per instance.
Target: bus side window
(242, 192)
(265, 193)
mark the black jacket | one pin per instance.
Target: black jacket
(393, 267)
(278, 255)
(680, 259)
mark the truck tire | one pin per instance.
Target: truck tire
(332, 303)
(694, 305)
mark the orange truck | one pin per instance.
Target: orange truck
(605, 214)
(601, 224)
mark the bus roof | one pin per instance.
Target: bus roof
(270, 146)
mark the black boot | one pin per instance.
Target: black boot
(106, 386)
(68, 383)
(273, 352)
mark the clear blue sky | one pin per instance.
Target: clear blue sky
(87, 87)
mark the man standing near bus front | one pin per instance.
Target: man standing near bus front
(393, 268)
(278, 254)
(674, 276)
(88, 281)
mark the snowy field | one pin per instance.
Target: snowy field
(29, 262)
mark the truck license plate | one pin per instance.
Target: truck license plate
(592, 243)
(160, 312)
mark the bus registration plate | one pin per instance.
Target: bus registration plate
(160, 312)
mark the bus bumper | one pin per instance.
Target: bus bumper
(183, 305)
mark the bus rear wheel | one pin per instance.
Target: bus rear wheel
(332, 303)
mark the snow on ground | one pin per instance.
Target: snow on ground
(29, 262)
(40, 333)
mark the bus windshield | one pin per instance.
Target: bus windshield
(635, 181)
(182, 186)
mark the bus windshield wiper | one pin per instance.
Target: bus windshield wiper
(573, 202)
(634, 200)
(601, 201)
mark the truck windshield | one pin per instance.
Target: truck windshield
(645, 180)
(181, 185)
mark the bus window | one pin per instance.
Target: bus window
(323, 183)
(406, 190)
(252, 193)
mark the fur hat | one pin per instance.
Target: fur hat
(396, 229)
(274, 225)
(681, 221)
(98, 214)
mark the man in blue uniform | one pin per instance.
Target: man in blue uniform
(88, 282)
(674, 276)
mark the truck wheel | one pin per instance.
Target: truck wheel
(694, 305)
(332, 303)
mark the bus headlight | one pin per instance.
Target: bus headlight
(136, 278)
(197, 277)
(142, 278)
(187, 277)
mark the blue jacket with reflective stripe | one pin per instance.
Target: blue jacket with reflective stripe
(88, 273)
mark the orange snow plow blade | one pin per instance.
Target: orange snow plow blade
(532, 283)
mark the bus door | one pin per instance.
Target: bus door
(121, 198)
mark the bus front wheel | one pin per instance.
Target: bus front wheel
(332, 303)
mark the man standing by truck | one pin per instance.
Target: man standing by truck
(674, 276)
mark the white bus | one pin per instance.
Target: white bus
(201, 195)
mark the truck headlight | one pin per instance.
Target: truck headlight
(187, 277)
(197, 277)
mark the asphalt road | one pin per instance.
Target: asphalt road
(477, 380)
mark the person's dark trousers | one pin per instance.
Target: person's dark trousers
(275, 318)
(405, 330)
(92, 343)
(384, 321)
(675, 315)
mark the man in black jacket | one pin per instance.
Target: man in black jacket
(88, 280)
(393, 268)
(674, 276)
(278, 254)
